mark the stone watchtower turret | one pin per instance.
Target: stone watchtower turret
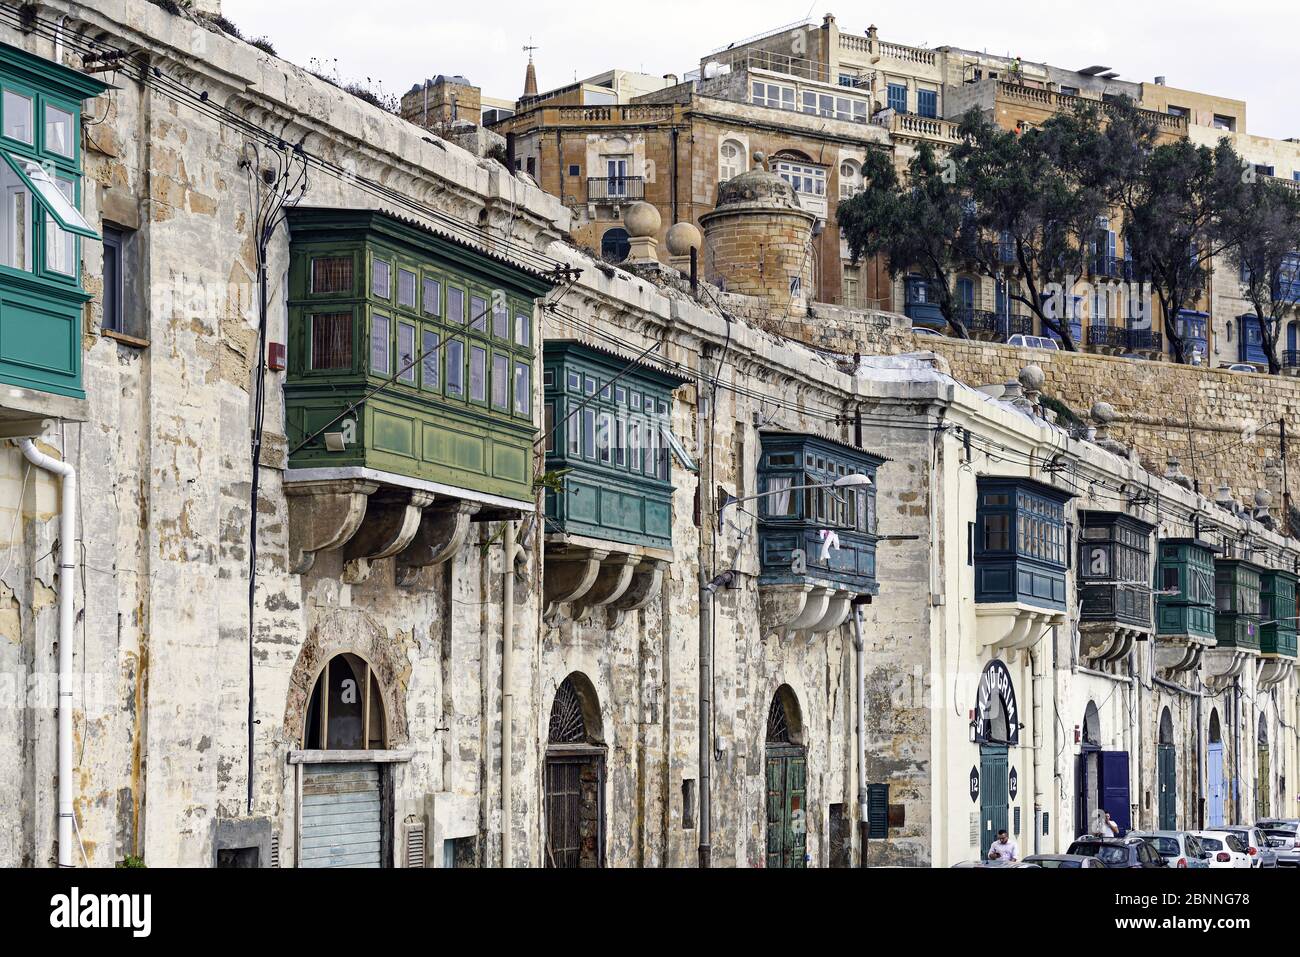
(758, 241)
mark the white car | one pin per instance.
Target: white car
(1033, 342)
(1224, 849)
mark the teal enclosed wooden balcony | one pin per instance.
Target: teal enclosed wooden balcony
(1020, 542)
(1277, 633)
(609, 441)
(1185, 619)
(1237, 604)
(42, 299)
(1115, 607)
(411, 359)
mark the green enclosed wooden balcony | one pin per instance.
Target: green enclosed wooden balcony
(1277, 633)
(409, 394)
(1114, 583)
(1185, 582)
(42, 299)
(1237, 604)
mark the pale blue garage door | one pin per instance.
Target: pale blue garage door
(341, 816)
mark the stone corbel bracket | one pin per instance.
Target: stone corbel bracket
(1274, 671)
(647, 580)
(1107, 642)
(1012, 627)
(1222, 665)
(443, 531)
(807, 609)
(570, 575)
(611, 583)
(391, 522)
(1178, 656)
(323, 515)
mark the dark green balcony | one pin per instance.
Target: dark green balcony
(1114, 563)
(411, 359)
(42, 301)
(1020, 542)
(613, 441)
(1237, 603)
(1277, 633)
(1185, 577)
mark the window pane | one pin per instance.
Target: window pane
(112, 279)
(573, 430)
(15, 231)
(501, 320)
(589, 432)
(455, 304)
(58, 131)
(605, 437)
(406, 288)
(523, 330)
(60, 245)
(478, 313)
(406, 352)
(634, 446)
(331, 274)
(432, 297)
(455, 350)
(18, 116)
(548, 425)
(382, 279)
(523, 388)
(500, 381)
(477, 374)
(430, 360)
(380, 330)
(331, 340)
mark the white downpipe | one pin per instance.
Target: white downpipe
(510, 550)
(860, 653)
(67, 574)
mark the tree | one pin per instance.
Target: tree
(1032, 210)
(915, 225)
(1264, 230)
(1175, 223)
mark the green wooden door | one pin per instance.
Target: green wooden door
(1165, 766)
(1263, 802)
(994, 799)
(787, 799)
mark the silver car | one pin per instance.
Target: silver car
(1284, 836)
(1257, 846)
(1178, 848)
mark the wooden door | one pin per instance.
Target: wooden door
(1167, 775)
(787, 811)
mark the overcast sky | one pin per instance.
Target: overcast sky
(1241, 50)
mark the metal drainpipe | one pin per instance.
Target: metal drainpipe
(705, 723)
(860, 654)
(67, 573)
(1035, 668)
(509, 551)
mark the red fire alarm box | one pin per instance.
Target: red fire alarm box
(275, 356)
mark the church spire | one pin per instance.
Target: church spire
(530, 77)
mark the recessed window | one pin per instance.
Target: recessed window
(429, 363)
(455, 350)
(380, 335)
(122, 298)
(432, 297)
(331, 340)
(477, 374)
(381, 282)
(500, 381)
(331, 274)
(406, 288)
(575, 169)
(406, 365)
(523, 389)
(58, 131)
(18, 116)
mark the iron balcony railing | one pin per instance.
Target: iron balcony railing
(1291, 358)
(1113, 337)
(615, 189)
(1112, 267)
(982, 321)
(1145, 340)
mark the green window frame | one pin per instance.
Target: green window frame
(408, 369)
(431, 296)
(430, 369)
(478, 373)
(454, 359)
(500, 385)
(381, 278)
(381, 343)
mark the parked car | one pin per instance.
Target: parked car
(1063, 860)
(1284, 837)
(1257, 846)
(1118, 851)
(1242, 367)
(1225, 849)
(1178, 848)
(924, 331)
(1033, 342)
(1003, 864)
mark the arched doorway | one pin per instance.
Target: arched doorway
(1166, 774)
(1087, 800)
(1216, 786)
(787, 773)
(997, 728)
(575, 777)
(1263, 796)
(342, 820)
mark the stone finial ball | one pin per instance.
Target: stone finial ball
(1263, 498)
(760, 159)
(1032, 378)
(1103, 413)
(642, 220)
(682, 238)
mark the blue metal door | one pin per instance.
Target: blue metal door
(1215, 785)
(1114, 787)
